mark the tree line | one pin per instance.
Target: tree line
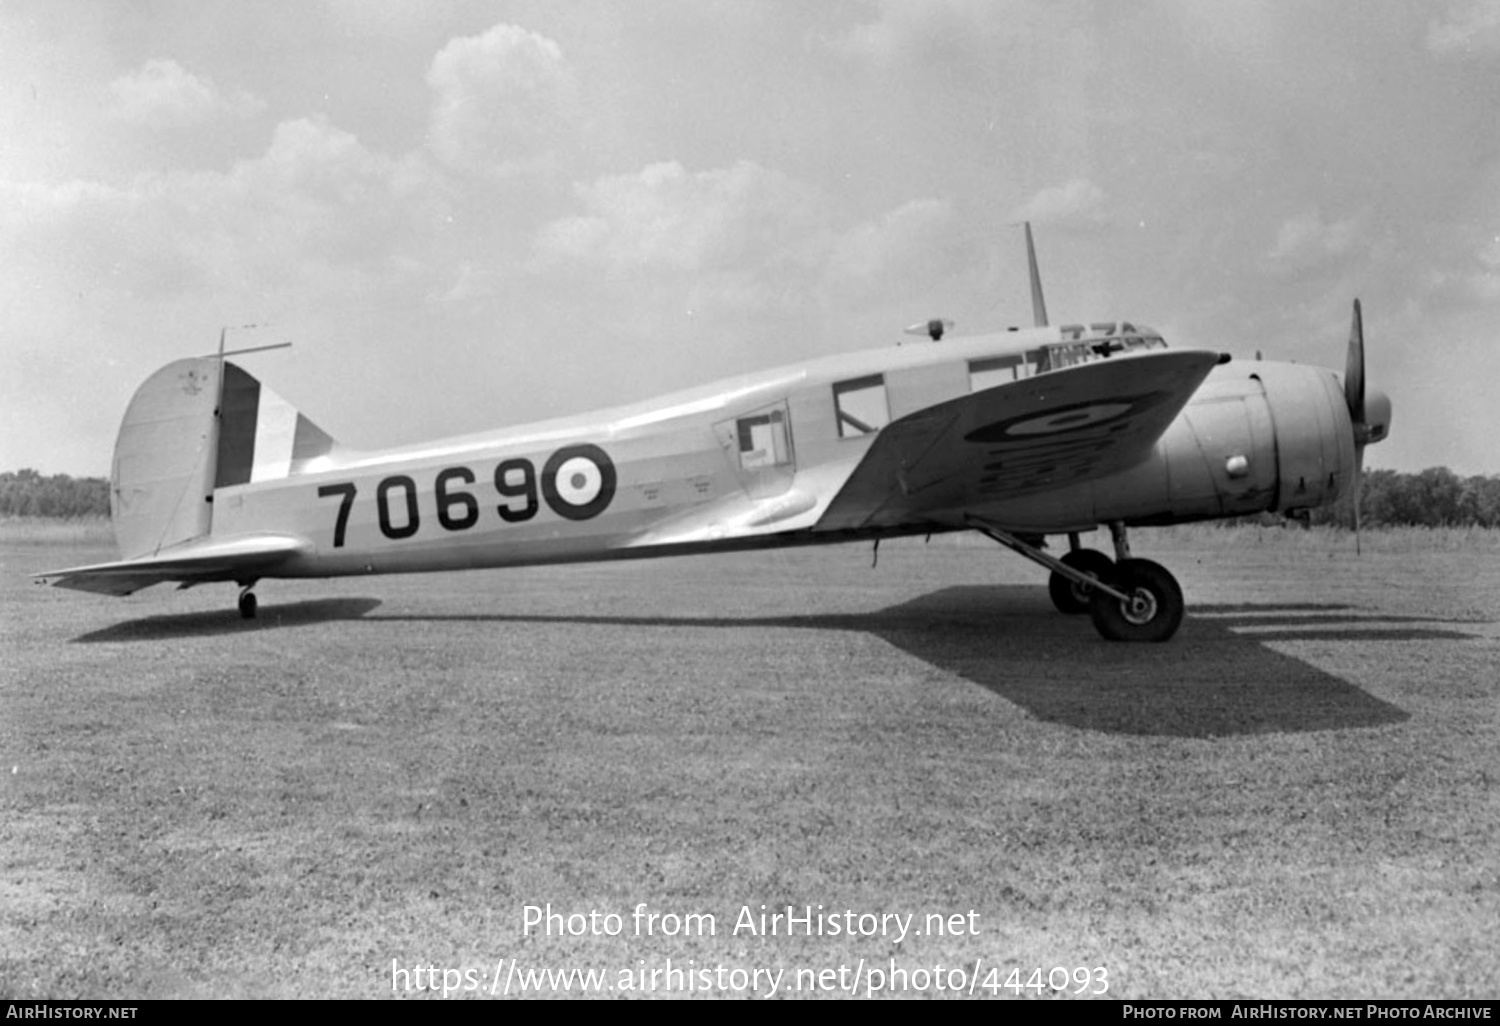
(26, 493)
(1435, 497)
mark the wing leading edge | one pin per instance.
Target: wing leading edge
(1017, 439)
(194, 562)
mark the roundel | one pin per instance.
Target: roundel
(1076, 417)
(578, 481)
(1066, 420)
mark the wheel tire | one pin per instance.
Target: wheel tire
(1156, 609)
(248, 605)
(1070, 597)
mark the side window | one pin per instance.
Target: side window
(861, 406)
(762, 440)
(997, 370)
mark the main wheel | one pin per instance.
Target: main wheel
(1154, 611)
(1069, 596)
(247, 605)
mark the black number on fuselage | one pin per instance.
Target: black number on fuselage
(382, 506)
(447, 500)
(347, 490)
(526, 487)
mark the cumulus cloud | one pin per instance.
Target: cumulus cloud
(930, 27)
(1307, 240)
(667, 217)
(504, 99)
(315, 209)
(1487, 281)
(1468, 29)
(908, 245)
(747, 241)
(1076, 201)
(164, 95)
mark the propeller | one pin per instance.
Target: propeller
(1354, 398)
(1370, 415)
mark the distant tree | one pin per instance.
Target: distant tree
(1481, 500)
(1435, 497)
(26, 493)
(1438, 494)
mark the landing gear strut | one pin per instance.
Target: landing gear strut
(1068, 595)
(247, 602)
(1128, 599)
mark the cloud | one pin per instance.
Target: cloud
(1471, 28)
(935, 29)
(163, 95)
(1076, 201)
(504, 99)
(750, 241)
(1487, 280)
(905, 248)
(316, 208)
(1306, 241)
(667, 218)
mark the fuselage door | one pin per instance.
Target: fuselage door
(759, 447)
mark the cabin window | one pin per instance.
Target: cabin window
(999, 370)
(762, 440)
(861, 406)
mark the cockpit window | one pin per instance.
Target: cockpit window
(1100, 342)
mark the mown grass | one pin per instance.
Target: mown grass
(75, 531)
(1294, 798)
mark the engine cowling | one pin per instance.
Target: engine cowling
(1256, 437)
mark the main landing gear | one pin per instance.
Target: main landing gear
(1128, 599)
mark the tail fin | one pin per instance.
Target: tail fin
(187, 432)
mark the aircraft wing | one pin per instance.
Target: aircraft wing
(197, 561)
(1020, 438)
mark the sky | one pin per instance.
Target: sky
(469, 215)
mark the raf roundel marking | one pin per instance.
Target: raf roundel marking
(1066, 420)
(1078, 417)
(579, 481)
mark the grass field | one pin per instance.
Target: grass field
(1297, 797)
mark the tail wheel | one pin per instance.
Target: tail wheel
(247, 605)
(1154, 611)
(1070, 597)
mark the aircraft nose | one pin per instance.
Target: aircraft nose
(1377, 417)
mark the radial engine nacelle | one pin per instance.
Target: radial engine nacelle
(1257, 437)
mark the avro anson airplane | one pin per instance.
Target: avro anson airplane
(1053, 430)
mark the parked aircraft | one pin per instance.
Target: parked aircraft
(1050, 430)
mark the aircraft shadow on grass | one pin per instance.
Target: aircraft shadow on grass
(218, 621)
(1219, 677)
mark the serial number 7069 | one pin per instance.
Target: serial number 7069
(577, 482)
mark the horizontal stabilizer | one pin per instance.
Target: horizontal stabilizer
(206, 559)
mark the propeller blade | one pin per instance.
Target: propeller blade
(1354, 370)
(1359, 483)
(1354, 398)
